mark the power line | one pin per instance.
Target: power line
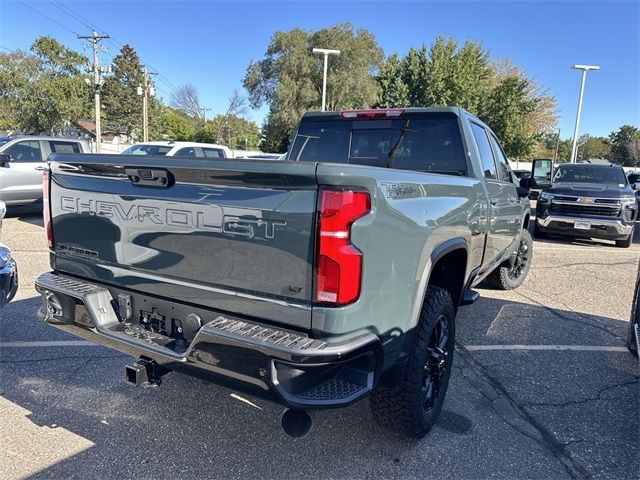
(48, 17)
(70, 12)
(14, 40)
(113, 40)
(5, 48)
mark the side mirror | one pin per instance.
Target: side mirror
(5, 158)
(541, 170)
(526, 182)
(525, 187)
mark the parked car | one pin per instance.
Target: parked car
(8, 268)
(316, 281)
(586, 200)
(179, 149)
(634, 181)
(264, 156)
(633, 334)
(22, 161)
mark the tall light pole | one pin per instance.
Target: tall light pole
(585, 69)
(326, 52)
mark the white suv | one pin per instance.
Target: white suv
(179, 149)
(22, 160)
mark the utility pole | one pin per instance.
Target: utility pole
(144, 90)
(585, 69)
(97, 82)
(326, 52)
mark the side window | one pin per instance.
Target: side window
(26, 151)
(186, 152)
(213, 153)
(504, 171)
(64, 147)
(486, 156)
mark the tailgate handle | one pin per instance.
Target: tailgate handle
(150, 177)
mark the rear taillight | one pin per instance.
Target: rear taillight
(339, 264)
(46, 209)
(373, 113)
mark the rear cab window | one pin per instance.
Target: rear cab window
(213, 152)
(147, 150)
(64, 147)
(186, 152)
(427, 142)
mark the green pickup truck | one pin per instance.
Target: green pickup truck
(314, 281)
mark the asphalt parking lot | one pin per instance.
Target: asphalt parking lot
(542, 388)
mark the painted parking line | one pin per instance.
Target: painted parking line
(577, 348)
(611, 249)
(471, 348)
(52, 343)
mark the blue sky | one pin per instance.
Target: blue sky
(209, 44)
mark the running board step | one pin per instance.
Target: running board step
(469, 297)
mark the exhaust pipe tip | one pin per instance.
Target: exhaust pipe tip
(296, 423)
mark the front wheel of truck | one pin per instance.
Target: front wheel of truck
(413, 405)
(510, 275)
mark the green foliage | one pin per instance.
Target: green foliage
(56, 58)
(175, 125)
(448, 75)
(289, 77)
(625, 146)
(42, 92)
(393, 91)
(593, 147)
(237, 132)
(506, 111)
(122, 105)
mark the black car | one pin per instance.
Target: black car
(588, 200)
(8, 269)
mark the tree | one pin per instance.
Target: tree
(625, 146)
(593, 147)
(230, 130)
(57, 59)
(500, 93)
(122, 104)
(393, 91)
(186, 98)
(506, 111)
(42, 92)
(237, 107)
(289, 77)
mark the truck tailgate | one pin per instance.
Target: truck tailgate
(234, 235)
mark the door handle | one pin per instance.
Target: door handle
(40, 169)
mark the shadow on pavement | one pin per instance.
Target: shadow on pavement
(188, 428)
(31, 214)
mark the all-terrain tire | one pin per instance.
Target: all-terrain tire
(503, 277)
(405, 407)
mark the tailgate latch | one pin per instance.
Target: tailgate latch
(150, 177)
